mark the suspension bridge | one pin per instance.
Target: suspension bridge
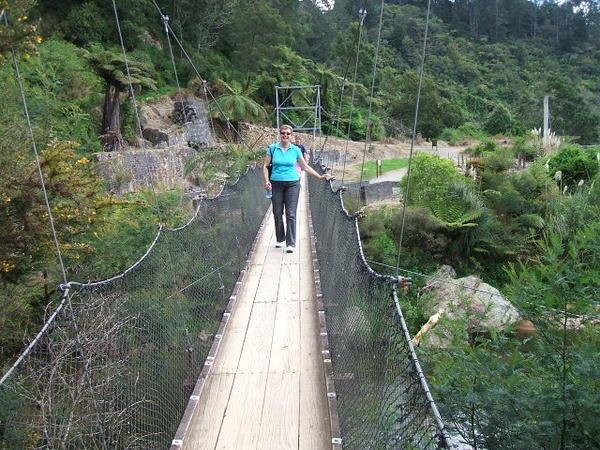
(217, 339)
(214, 338)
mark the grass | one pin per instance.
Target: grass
(387, 165)
(455, 136)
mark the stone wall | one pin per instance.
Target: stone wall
(133, 170)
(370, 193)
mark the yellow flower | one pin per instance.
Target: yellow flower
(7, 266)
(39, 39)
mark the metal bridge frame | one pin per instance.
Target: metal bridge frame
(310, 114)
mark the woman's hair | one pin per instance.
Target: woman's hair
(286, 127)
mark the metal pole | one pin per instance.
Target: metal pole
(319, 109)
(277, 104)
(546, 115)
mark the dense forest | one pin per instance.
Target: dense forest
(533, 233)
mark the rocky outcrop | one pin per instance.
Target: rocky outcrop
(184, 112)
(156, 137)
(184, 123)
(459, 308)
(132, 170)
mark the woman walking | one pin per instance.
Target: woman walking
(284, 182)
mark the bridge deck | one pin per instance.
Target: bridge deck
(266, 389)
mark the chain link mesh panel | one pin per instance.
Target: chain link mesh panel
(116, 363)
(382, 398)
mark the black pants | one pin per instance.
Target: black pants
(285, 195)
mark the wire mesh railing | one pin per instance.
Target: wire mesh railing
(382, 397)
(115, 364)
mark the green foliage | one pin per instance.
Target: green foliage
(595, 191)
(575, 164)
(461, 134)
(435, 111)
(74, 194)
(62, 94)
(433, 182)
(572, 113)
(235, 104)
(548, 375)
(487, 146)
(86, 24)
(126, 229)
(111, 66)
(525, 148)
(500, 121)
(499, 161)
(18, 33)
(215, 165)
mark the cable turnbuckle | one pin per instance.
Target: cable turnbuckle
(165, 20)
(404, 282)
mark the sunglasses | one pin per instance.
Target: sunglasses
(286, 133)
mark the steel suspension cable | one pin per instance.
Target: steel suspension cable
(414, 134)
(37, 156)
(135, 107)
(452, 282)
(336, 118)
(197, 72)
(66, 297)
(165, 20)
(363, 15)
(125, 59)
(369, 123)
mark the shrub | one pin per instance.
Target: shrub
(575, 164)
(86, 24)
(458, 135)
(526, 148)
(485, 147)
(499, 161)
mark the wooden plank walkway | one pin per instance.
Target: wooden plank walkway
(266, 389)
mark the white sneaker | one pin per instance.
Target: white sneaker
(289, 249)
(279, 244)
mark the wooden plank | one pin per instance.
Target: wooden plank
(266, 236)
(229, 354)
(306, 278)
(204, 432)
(285, 349)
(289, 282)
(314, 429)
(249, 287)
(279, 424)
(269, 280)
(257, 344)
(241, 424)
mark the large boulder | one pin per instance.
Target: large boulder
(156, 137)
(460, 308)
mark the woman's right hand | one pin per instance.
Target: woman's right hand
(268, 186)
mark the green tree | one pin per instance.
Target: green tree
(235, 104)
(111, 67)
(500, 121)
(435, 112)
(575, 164)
